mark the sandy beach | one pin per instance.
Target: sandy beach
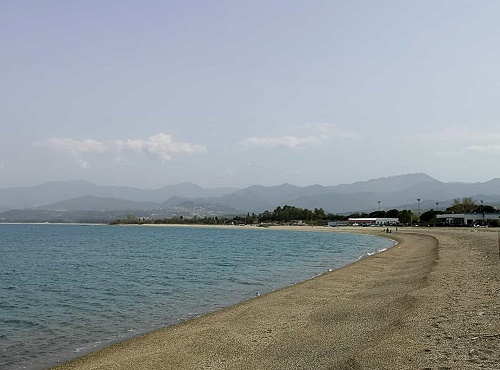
(431, 302)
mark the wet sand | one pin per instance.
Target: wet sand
(431, 302)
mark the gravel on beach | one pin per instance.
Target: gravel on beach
(430, 302)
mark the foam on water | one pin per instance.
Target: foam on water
(66, 290)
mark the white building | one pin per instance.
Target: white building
(476, 218)
(379, 221)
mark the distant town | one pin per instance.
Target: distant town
(463, 212)
(412, 199)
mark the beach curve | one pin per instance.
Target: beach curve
(387, 311)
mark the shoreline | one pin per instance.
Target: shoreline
(383, 311)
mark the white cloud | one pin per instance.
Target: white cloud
(322, 132)
(160, 146)
(283, 141)
(330, 131)
(83, 164)
(462, 141)
(74, 146)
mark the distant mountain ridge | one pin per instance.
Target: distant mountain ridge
(386, 184)
(392, 192)
(57, 191)
(93, 203)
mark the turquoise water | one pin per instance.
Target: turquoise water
(66, 290)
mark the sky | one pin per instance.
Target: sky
(238, 93)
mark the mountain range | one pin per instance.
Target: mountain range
(402, 191)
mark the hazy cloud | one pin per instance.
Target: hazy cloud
(473, 149)
(160, 146)
(485, 149)
(74, 146)
(83, 164)
(322, 132)
(331, 131)
(282, 141)
(461, 133)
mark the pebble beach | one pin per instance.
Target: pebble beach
(430, 302)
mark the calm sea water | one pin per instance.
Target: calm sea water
(66, 290)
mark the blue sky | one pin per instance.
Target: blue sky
(236, 93)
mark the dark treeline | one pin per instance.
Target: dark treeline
(293, 215)
(280, 215)
(459, 205)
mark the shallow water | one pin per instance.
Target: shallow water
(69, 289)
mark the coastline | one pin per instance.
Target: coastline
(389, 310)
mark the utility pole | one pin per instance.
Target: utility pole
(482, 210)
(418, 200)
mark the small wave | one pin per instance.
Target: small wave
(104, 303)
(224, 264)
(234, 279)
(20, 322)
(11, 287)
(368, 254)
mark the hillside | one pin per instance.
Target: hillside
(189, 199)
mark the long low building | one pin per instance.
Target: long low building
(379, 221)
(469, 218)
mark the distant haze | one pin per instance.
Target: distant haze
(234, 94)
(190, 199)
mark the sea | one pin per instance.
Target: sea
(67, 290)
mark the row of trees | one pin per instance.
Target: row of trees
(318, 216)
(460, 205)
(280, 215)
(291, 213)
(468, 205)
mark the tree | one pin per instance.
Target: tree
(392, 213)
(486, 209)
(265, 216)
(319, 214)
(468, 204)
(334, 217)
(428, 216)
(405, 216)
(464, 205)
